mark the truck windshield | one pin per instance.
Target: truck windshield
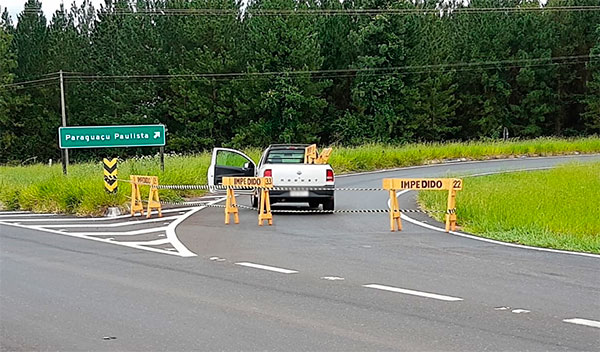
(286, 156)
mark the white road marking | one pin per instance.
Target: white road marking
(152, 243)
(267, 267)
(519, 311)
(19, 215)
(178, 250)
(477, 238)
(217, 259)
(123, 233)
(172, 235)
(117, 224)
(473, 237)
(586, 322)
(97, 239)
(100, 219)
(414, 293)
(332, 278)
(502, 308)
(509, 171)
(467, 162)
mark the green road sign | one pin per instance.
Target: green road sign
(111, 136)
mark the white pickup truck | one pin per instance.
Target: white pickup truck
(285, 163)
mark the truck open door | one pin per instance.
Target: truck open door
(227, 162)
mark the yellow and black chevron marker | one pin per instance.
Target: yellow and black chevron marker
(110, 175)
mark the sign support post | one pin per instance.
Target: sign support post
(65, 152)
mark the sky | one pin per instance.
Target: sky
(48, 6)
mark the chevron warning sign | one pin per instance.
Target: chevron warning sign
(110, 175)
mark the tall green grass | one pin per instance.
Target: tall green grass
(44, 189)
(558, 208)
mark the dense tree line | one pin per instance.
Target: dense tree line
(434, 74)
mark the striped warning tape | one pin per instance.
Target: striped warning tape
(309, 211)
(224, 188)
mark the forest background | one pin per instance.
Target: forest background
(223, 73)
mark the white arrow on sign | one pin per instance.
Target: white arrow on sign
(157, 134)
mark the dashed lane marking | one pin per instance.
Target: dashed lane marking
(332, 278)
(519, 311)
(414, 293)
(267, 267)
(586, 322)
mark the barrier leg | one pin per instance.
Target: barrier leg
(153, 200)
(264, 212)
(136, 198)
(451, 211)
(394, 212)
(231, 207)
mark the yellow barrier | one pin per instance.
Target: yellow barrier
(312, 156)
(423, 184)
(136, 198)
(263, 183)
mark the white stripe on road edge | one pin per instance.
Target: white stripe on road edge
(473, 237)
(586, 322)
(414, 293)
(450, 163)
(477, 238)
(266, 267)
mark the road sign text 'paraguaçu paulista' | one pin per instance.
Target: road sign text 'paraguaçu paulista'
(111, 136)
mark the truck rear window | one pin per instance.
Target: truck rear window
(286, 156)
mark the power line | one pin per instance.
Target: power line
(345, 12)
(350, 72)
(321, 77)
(17, 84)
(336, 71)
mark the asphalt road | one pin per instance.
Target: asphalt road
(309, 282)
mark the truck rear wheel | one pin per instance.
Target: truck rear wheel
(329, 204)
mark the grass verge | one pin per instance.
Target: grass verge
(558, 208)
(44, 189)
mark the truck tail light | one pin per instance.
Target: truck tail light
(268, 173)
(329, 176)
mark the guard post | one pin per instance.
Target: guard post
(422, 184)
(110, 175)
(263, 184)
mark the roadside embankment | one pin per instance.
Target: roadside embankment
(558, 208)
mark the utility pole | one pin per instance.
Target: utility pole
(65, 152)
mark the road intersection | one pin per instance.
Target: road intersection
(309, 282)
